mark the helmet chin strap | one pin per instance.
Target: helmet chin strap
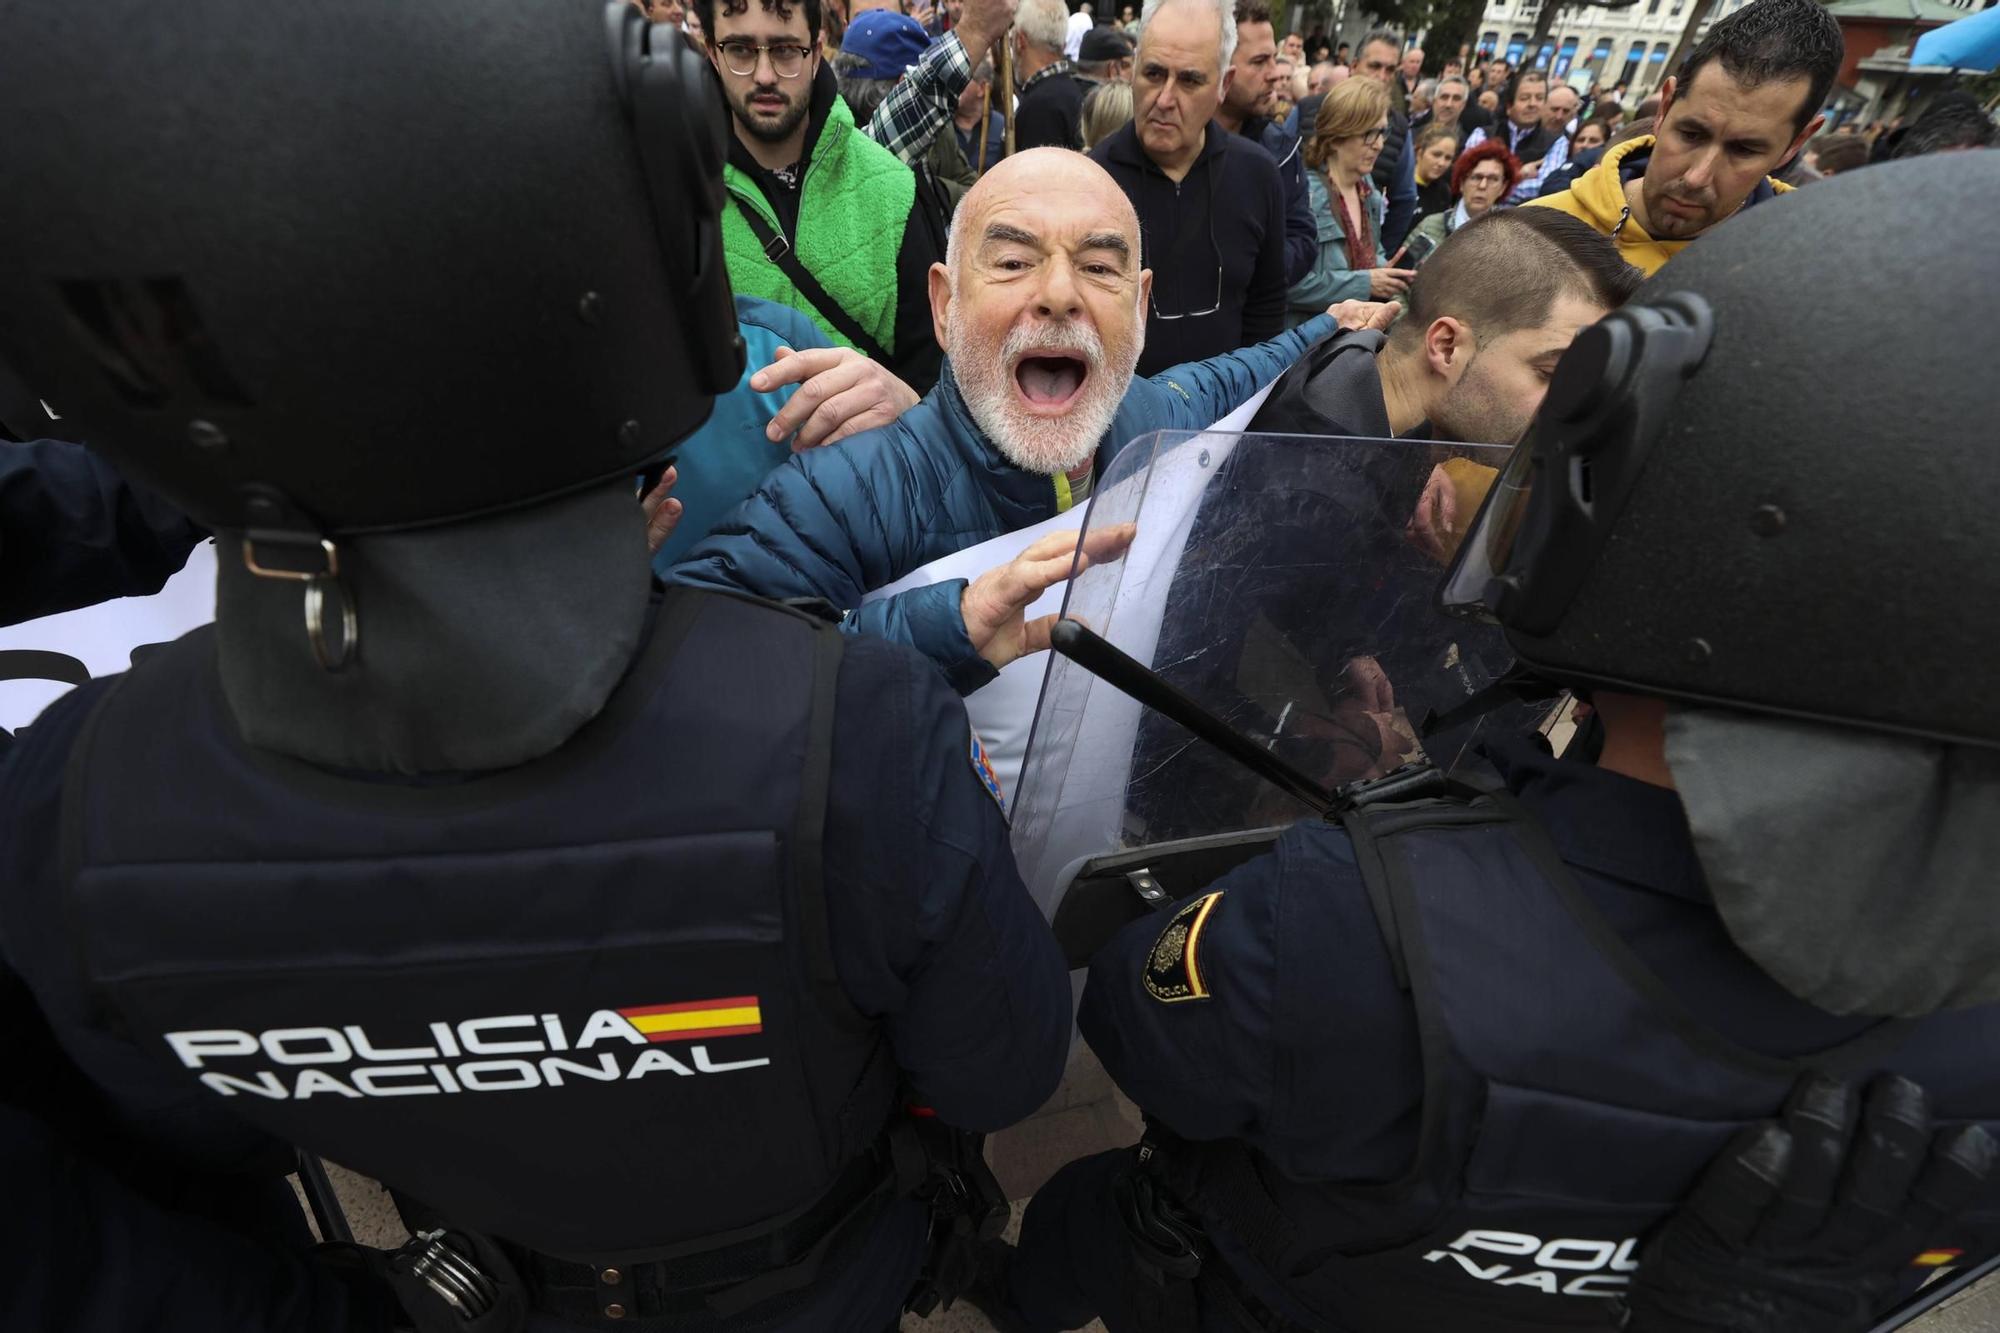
(282, 543)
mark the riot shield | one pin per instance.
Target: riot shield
(1286, 586)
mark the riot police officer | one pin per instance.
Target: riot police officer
(1443, 1066)
(614, 928)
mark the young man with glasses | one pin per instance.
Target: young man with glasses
(820, 217)
(1210, 203)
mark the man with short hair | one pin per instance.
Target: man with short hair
(1246, 110)
(1745, 100)
(1395, 167)
(1420, 100)
(1048, 112)
(1041, 306)
(1448, 107)
(820, 217)
(1525, 135)
(1106, 57)
(1211, 205)
(1411, 69)
(1559, 111)
(982, 151)
(1323, 76)
(1293, 48)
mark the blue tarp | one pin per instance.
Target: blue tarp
(1971, 43)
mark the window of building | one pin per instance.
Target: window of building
(1489, 42)
(1516, 43)
(1633, 59)
(1564, 56)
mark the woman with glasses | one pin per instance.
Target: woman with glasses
(1480, 178)
(1348, 134)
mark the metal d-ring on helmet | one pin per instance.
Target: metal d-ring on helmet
(1769, 482)
(221, 175)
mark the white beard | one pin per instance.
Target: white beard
(1032, 443)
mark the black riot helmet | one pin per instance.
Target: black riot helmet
(1772, 481)
(362, 267)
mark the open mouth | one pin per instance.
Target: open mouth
(1050, 382)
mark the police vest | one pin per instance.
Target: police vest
(585, 1006)
(1570, 1099)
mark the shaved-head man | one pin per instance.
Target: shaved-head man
(1041, 308)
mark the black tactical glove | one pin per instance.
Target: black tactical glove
(442, 1282)
(1804, 1226)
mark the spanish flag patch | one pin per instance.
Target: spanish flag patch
(982, 768)
(737, 1016)
(1173, 968)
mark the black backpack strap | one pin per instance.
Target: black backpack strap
(779, 251)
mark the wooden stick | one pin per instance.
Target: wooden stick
(1007, 92)
(985, 121)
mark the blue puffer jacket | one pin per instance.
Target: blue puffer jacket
(838, 521)
(724, 460)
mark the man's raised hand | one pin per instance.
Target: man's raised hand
(995, 604)
(840, 393)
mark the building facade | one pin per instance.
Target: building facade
(1592, 46)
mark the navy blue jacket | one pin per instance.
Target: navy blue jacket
(1215, 241)
(1301, 234)
(74, 533)
(137, 1195)
(840, 521)
(1308, 1049)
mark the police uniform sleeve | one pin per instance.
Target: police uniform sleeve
(126, 1205)
(74, 533)
(1266, 1009)
(933, 932)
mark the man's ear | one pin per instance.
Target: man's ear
(940, 293)
(1813, 127)
(1667, 91)
(1448, 348)
(1228, 78)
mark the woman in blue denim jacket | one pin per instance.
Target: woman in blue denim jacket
(1347, 137)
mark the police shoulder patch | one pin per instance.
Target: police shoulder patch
(1173, 971)
(982, 768)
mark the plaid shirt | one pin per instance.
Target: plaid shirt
(923, 100)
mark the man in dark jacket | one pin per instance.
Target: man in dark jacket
(820, 217)
(1246, 110)
(1211, 206)
(1049, 113)
(1039, 312)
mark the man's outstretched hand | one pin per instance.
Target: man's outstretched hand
(1352, 315)
(840, 393)
(995, 604)
(1804, 1225)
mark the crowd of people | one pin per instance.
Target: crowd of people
(1272, 177)
(611, 810)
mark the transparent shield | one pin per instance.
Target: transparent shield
(1289, 585)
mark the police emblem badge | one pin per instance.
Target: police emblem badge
(1173, 969)
(982, 768)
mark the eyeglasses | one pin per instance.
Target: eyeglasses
(1485, 178)
(1375, 138)
(787, 58)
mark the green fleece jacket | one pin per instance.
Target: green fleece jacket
(854, 202)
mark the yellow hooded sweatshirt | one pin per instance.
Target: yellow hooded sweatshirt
(1598, 197)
